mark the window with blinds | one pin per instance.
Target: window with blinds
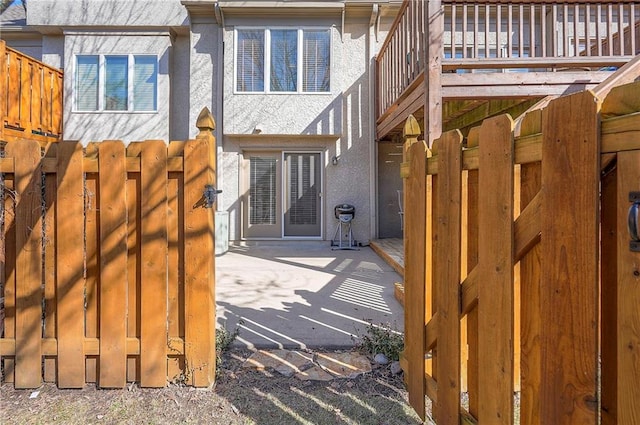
(303, 190)
(316, 65)
(87, 83)
(116, 83)
(116, 78)
(288, 60)
(262, 190)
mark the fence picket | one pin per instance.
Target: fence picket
(70, 270)
(134, 267)
(530, 319)
(49, 277)
(9, 237)
(415, 219)
(113, 264)
(28, 223)
(153, 318)
(447, 275)
(570, 239)
(495, 238)
(472, 261)
(92, 324)
(627, 299)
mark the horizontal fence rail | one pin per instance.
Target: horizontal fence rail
(503, 36)
(107, 263)
(30, 98)
(501, 287)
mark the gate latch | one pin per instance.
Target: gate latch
(209, 196)
(632, 221)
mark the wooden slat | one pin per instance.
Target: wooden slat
(28, 222)
(70, 270)
(495, 246)
(113, 264)
(472, 260)
(447, 275)
(133, 200)
(92, 272)
(609, 293)
(570, 263)
(153, 319)
(49, 276)
(198, 264)
(628, 298)
(530, 318)
(9, 269)
(415, 213)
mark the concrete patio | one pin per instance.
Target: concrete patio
(304, 294)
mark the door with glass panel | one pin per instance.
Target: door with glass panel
(303, 189)
(282, 194)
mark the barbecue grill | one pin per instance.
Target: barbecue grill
(343, 236)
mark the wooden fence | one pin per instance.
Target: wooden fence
(108, 263)
(30, 98)
(506, 279)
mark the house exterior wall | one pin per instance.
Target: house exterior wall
(196, 70)
(128, 126)
(111, 13)
(337, 123)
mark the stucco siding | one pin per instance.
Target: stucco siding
(127, 126)
(113, 13)
(337, 124)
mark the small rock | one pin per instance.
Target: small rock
(396, 369)
(285, 371)
(380, 359)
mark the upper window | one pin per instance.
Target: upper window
(282, 60)
(116, 83)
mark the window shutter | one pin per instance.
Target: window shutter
(284, 60)
(87, 83)
(116, 75)
(145, 83)
(250, 60)
(316, 61)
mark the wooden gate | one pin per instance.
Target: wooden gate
(503, 286)
(107, 270)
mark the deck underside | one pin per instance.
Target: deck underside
(470, 98)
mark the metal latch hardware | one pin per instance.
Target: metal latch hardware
(209, 196)
(632, 221)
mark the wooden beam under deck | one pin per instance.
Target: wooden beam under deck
(519, 86)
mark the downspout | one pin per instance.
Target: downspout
(220, 102)
(373, 149)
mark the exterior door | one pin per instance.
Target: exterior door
(263, 206)
(282, 195)
(302, 213)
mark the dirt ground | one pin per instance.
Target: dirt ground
(240, 396)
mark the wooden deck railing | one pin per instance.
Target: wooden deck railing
(30, 98)
(504, 35)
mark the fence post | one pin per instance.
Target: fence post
(199, 171)
(415, 243)
(570, 241)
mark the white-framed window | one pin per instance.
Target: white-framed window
(282, 60)
(126, 83)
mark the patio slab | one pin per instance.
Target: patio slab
(304, 295)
